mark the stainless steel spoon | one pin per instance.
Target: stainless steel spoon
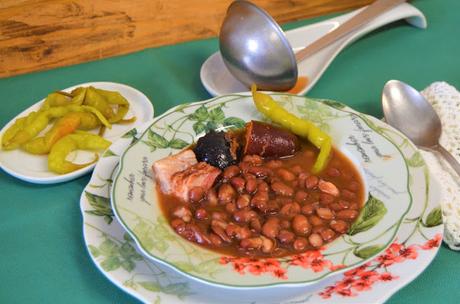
(255, 49)
(408, 111)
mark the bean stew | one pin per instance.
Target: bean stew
(262, 206)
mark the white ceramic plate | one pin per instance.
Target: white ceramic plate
(116, 256)
(385, 165)
(34, 168)
(217, 80)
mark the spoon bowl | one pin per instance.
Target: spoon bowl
(255, 49)
(408, 111)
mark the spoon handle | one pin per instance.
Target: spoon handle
(363, 17)
(449, 158)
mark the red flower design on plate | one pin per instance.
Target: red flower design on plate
(363, 277)
(433, 243)
(312, 259)
(356, 280)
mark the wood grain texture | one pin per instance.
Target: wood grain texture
(43, 34)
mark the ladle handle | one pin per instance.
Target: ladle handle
(449, 158)
(363, 17)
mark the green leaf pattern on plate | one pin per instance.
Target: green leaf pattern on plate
(370, 215)
(114, 254)
(101, 206)
(367, 251)
(434, 218)
(204, 118)
(416, 160)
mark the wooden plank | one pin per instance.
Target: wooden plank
(43, 34)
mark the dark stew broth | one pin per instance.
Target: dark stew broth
(264, 207)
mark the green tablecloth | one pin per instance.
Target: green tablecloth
(42, 252)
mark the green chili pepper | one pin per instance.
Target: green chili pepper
(304, 128)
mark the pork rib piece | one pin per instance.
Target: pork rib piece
(165, 168)
(199, 175)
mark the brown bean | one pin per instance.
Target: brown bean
(327, 234)
(238, 183)
(301, 196)
(301, 179)
(290, 210)
(230, 172)
(183, 213)
(274, 164)
(178, 225)
(218, 227)
(255, 224)
(300, 225)
(325, 213)
(283, 200)
(285, 224)
(326, 198)
(344, 204)
(300, 244)
(260, 172)
(199, 236)
(201, 214)
(315, 220)
(251, 185)
(328, 187)
(215, 240)
(244, 215)
(271, 227)
(260, 243)
(286, 237)
(237, 232)
(315, 240)
(243, 201)
(354, 206)
(317, 229)
(285, 174)
(251, 243)
(247, 176)
(353, 186)
(260, 198)
(219, 215)
(262, 186)
(253, 159)
(226, 193)
(334, 172)
(347, 214)
(244, 166)
(282, 189)
(308, 209)
(272, 207)
(311, 182)
(335, 206)
(219, 223)
(267, 245)
(230, 207)
(296, 169)
(347, 194)
(339, 226)
(211, 197)
(196, 194)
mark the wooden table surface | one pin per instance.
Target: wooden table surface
(43, 34)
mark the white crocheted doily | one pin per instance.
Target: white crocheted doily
(446, 101)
